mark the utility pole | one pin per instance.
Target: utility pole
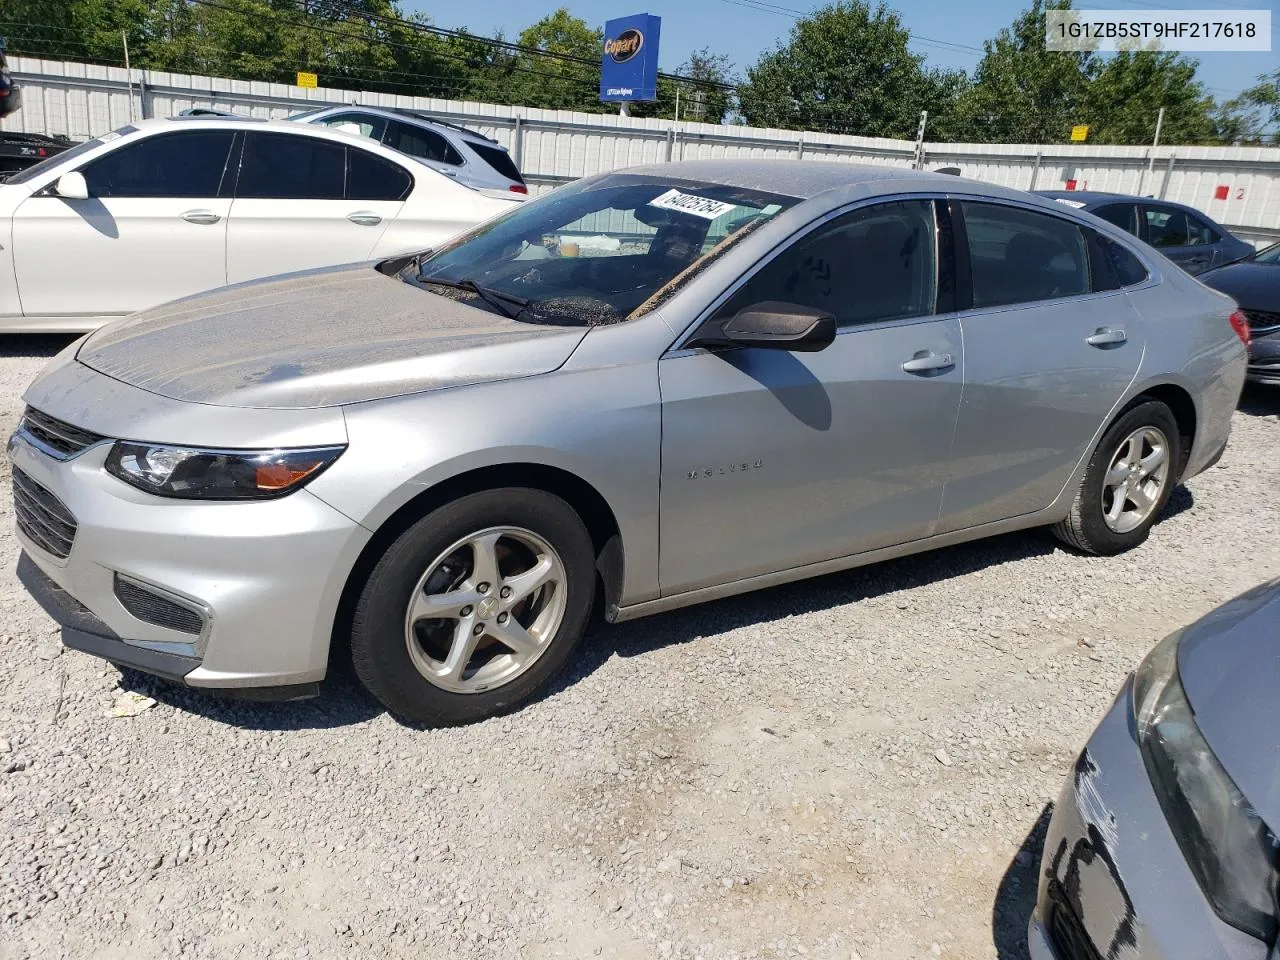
(1151, 156)
(918, 162)
(124, 40)
(677, 102)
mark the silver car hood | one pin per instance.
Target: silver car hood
(320, 338)
(1229, 663)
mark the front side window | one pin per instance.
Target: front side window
(187, 164)
(285, 167)
(596, 251)
(1021, 256)
(875, 264)
(368, 126)
(1169, 227)
(421, 143)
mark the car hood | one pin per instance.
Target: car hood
(319, 338)
(1230, 668)
(1255, 286)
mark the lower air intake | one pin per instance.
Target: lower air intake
(153, 608)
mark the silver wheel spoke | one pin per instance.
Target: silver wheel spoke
(1116, 476)
(1143, 500)
(523, 584)
(484, 552)
(1117, 507)
(464, 645)
(514, 637)
(1134, 454)
(1153, 460)
(433, 606)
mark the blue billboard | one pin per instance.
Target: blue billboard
(629, 65)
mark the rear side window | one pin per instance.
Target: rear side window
(1113, 266)
(369, 126)
(1123, 215)
(421, 143)
(1021, 256)
(374, 178)
(499, 159)
(1170, 227)
(280, 166)
(188, 164)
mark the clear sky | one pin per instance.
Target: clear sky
(948, 32)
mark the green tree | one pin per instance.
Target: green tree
(1023, 93)
(708, 102)
(1125, 94)
(555, 83)
(845, 68)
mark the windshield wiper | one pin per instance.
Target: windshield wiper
(502, 302)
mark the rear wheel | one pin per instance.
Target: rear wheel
(474, 607)
(1128, 481)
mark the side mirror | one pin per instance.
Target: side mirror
(72, 186)
(771, 325)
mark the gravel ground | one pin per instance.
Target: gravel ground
(855, 766)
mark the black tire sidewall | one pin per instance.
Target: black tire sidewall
(1147, 413)
(379, 652)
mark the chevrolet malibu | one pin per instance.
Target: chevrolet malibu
(644, 390)
(1163, 845)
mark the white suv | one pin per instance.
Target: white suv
(468, 157)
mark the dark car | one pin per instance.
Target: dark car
(1254, 283)
(1163, 842)
(1184, 235)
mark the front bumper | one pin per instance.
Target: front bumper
(1113, 881)
(266, 577)
(1264, 359)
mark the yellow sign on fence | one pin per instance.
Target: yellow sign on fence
(311, 80)
(1079, 133)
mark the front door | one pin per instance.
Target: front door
(302, 202)
(153, 229)
(1047, 353)
(772, 459)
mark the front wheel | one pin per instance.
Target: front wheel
(474, 607)
(1128, 481)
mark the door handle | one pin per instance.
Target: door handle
(364, 218)
(929, 362)
(1106, 337)
(200, 216)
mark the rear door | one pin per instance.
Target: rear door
(153, 229)
(1185, 239)
(303, 202)
(1048, 352)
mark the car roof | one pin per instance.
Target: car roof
(413, 116)
(807, 179)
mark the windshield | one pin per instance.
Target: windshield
(596, 251)
(1269, 254)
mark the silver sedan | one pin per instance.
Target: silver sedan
(643, 390)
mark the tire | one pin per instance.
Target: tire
(1087, 527)
(394, 650)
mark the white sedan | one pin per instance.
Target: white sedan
(161, 209)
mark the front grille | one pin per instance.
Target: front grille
(57, 435)
(1261, 321)
(44, 518)
(154, 608)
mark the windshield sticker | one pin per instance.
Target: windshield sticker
(1074, 204)
(688, 203)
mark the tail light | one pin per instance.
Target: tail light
(519, 188)
(1240, 324)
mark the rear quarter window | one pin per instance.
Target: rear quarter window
(499, 159)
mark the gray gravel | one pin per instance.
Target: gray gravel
(855, 766)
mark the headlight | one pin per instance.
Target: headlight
(1229, 849)
(193, 473)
